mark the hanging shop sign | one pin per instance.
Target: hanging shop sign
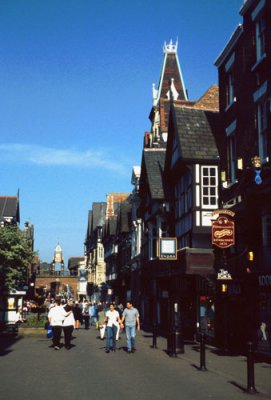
(168, 248)
(223, 232)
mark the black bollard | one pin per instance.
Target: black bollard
(174, 343)
(154, 337)
(202, 353)
(250, 370)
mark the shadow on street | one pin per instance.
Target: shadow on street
(6, 343)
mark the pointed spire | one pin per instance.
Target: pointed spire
(171, 88)
(171, 69)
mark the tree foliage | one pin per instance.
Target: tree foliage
(15, 257)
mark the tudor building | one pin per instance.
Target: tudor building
(178, 190)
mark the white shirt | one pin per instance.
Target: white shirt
(112, 318)
(69, 319)
(56, 315)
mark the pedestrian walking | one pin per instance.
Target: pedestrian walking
(131, 319)
(112, 319)
(119, 308)
(68, 325)
(56, 317)
(85, 314)
(77, 312)
(93, 313)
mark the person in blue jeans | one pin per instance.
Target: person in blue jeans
(112, 319)
(131, 318)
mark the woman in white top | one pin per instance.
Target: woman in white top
(56, 317)
(68, 326)
(112, 318)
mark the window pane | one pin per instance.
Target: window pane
(212, 181)
(213, 201)
(205, 171)
(212, 172)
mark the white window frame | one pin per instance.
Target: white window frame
(209, 186)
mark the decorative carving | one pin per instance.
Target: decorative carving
(172, 91)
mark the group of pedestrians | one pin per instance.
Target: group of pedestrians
(108, 320)
(61, 317)
(114, 322)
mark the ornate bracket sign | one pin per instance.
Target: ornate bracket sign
(223, 232)
(168, 248)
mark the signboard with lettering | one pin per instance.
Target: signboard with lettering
(223, 232)
(168, 248)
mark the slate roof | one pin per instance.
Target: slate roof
(124, 217)
(196, 130)
(89, 224)
(9, 208)
(98, 214)
(111, 225)
(154, 160)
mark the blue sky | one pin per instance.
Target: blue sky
(75, 94)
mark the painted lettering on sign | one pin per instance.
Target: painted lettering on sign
(223, 232)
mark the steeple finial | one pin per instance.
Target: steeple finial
(170, 48)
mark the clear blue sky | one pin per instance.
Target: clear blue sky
(75, 94)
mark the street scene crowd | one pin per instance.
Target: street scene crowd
(109, 319)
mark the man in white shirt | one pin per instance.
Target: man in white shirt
(56, 317)
(112, 318)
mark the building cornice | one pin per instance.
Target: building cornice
(229, 46)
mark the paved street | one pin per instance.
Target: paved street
(31, 369)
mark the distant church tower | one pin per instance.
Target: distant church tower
(57, 265)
